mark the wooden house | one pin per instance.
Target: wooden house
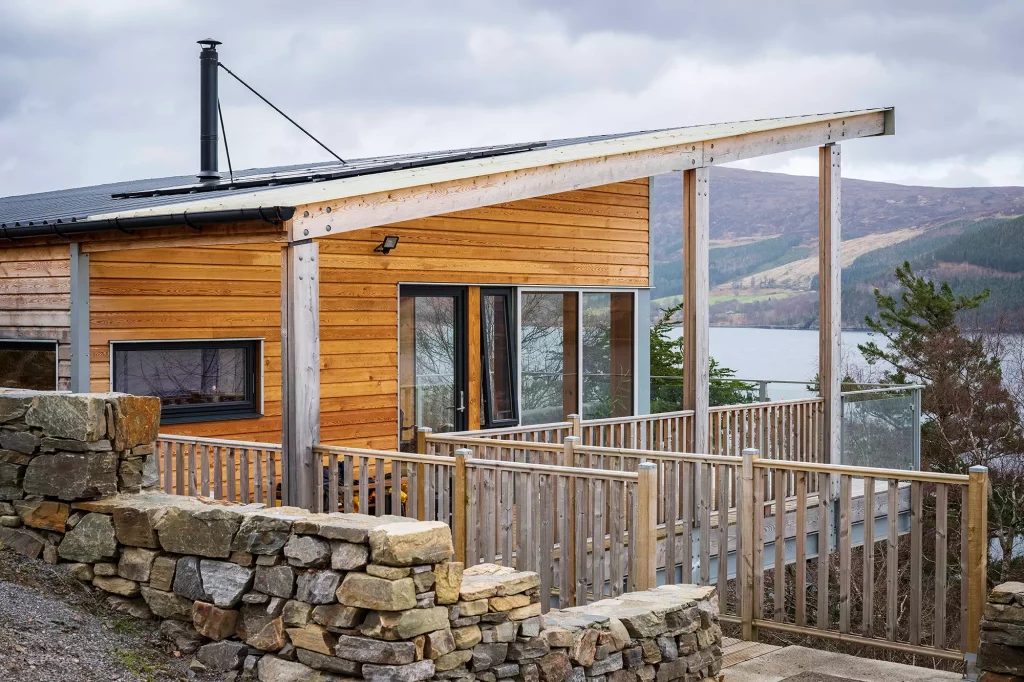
(350, 303)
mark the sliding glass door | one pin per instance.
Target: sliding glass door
(432, 361)
(577, 354)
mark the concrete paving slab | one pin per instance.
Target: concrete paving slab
(789, 662)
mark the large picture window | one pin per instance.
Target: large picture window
(549, 340)
(607, 355)
(28, 365)
(195, 380)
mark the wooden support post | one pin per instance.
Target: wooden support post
(79, 320)
(977, 553)
(829, 295)
(300, 374)
(696, 362)
(647, 526)
(746, 566)
(421, 473)
(567, 545)
(577, 426)
(460, 506)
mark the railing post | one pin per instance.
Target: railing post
(577, 425)
(421, 473)
(647, 529)
(461, 505)
(977, 553)
(762, 391)
(568, 544)
(745, 518)
(421, 439)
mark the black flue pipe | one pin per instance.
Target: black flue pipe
(208, 60)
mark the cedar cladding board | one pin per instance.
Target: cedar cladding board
(595, 237)
(35, 298)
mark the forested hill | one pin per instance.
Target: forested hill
(764, 240)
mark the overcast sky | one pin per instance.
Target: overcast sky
(104, 90)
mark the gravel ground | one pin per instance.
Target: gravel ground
(54, 629)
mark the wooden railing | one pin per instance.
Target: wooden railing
(787, 430)
(379, 482)
(238, 471)
(595, 521)
(869, 499)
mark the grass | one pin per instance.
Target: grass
(137, 664)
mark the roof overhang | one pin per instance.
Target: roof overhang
(343, 205)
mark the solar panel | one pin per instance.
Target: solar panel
(332, 171)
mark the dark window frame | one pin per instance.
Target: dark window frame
(460, 294)
(511, 325)
(187, 414)
(28, 344)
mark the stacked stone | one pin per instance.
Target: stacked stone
(1002, 634)
(496, 624)
(669, 633)
(56, 448)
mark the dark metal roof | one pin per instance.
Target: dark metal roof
(72, 205)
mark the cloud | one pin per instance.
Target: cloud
(108, 90)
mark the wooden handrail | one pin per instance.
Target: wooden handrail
(494, 442)
(252, 445)
(772, 403)
(384, 454)
(578, 472)
(657, 454)
(900, 474)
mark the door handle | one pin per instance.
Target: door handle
(462, 401)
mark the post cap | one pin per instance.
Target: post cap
(648, 465)
(571, 439)
(425, 429)
(978, 469)
(573, 416)
(749, 452)
(464, 451)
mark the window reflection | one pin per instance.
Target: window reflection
(549, 357)
(427, 337)
(28, 365)
(607, 355)
(499, 401)
(193, 379)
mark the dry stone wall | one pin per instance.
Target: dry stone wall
(283, 595)
(58, 448)
(1002, 634)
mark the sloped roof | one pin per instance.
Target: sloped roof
(307, 183)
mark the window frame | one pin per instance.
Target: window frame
(579, 291)
(512, 325)
(48, 342)
(190, 414)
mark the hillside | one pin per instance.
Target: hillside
(763, 261)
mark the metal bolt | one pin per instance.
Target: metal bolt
(328, 228)
(328, 209)
(712, 145)
(305, 214)
(305, 233)
(712, 159)
(694, 162)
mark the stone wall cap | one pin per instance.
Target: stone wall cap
(1007, 593)
(343, 526)
(490, 580)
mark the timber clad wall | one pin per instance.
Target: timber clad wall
(35, 299)
(594, 237)
(209, 292)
